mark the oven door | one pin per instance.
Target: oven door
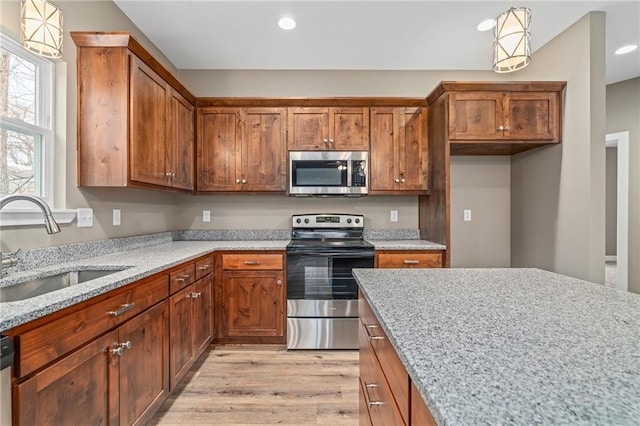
(318, 176)
(321, 284)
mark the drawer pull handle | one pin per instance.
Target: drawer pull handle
(411, 262)
(195, 295)
(126, 345)
(118, 350)
(368, 386)
(124, 308)
(376, 337)
(204, 267)
(183, 278)
(371, 326)
(251, 262)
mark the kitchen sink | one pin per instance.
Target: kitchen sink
(40, 286)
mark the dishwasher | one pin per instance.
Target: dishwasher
(6, 361)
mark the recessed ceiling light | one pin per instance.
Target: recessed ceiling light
(626, 49)
(486, 25)
(287, 23)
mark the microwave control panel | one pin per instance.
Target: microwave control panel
(358, 173)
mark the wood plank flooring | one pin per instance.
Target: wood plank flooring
(266, 385)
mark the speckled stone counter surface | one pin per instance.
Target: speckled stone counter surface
(406, 245)
(139, 263)
(512, 346)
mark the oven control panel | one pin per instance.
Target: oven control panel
(327, 220)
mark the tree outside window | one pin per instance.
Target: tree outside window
(25, 120)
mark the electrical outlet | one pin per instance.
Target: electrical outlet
(85, 218)
(116, 217)
(206, 215)
(467, 215)
(394, 216)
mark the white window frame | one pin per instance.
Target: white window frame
(21, 212)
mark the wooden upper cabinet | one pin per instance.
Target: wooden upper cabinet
(498, 118)
(241, 149)
(399, 158)
(135, 120)
(329, 129)
(149, 113)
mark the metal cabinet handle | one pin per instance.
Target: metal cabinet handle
(195, 295)
(251, 262)
(183, 278)
(371, 326)
(126, 345)
(376, 338)
(124, 308)
(244, 181)
(237, 180)
(402, 180)
(204, 267)
(368, 386)
(118, 350)
(397, 180)
(411, 262)
(507, 127)
(279, 282)
(332, 141)
(325, 140)
(500, 127)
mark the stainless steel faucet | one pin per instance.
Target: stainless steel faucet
(49, 222)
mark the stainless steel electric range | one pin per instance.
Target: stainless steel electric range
(322, 295)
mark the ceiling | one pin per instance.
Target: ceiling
(363, 35)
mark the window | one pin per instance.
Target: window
(26, 93)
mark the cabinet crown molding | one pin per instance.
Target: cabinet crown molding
(495, 86)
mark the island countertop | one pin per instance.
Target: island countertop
(512, 346)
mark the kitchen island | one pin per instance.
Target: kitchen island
(512, 346)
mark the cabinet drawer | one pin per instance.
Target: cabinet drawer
(377, 394)
(252, 261)
(409, 259)
(182, 277)
(394, 372)
(204, 267)
(41, 345)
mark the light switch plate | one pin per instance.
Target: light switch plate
(206, 215)
(467, 215)
(116, 217)
(394, 216)
(85, 218)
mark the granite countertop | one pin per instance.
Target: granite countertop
(512, 346)
(406, 245)
(139, 263)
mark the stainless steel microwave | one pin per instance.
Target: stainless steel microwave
(328, 173)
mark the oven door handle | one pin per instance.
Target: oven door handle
(334, 254)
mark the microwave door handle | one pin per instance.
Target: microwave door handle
(349, 172)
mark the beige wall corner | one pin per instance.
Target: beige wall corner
(557, 193)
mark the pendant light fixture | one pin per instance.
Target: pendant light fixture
(42, 28)
(511, 49)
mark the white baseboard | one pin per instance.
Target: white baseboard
(613, 258)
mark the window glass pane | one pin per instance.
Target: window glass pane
(17, 87)
(20, 155)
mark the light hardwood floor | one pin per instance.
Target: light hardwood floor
(266, 385)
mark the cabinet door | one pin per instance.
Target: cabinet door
(349, 129)
(531, 116)
(144, 368)
(385, 132)
(180, 140)
(475, 116)
(308, 129)
(148, 124)
(253, 303)
(79, 389)
(218, 149)
(398, 150)
(202, 305)
(264, 149)
(181, 330)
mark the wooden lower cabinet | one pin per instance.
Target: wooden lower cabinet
(191, 326)
(119, 378)
(387, 395)
(252, 296)
(409, 259)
